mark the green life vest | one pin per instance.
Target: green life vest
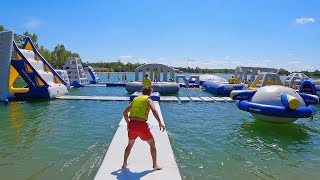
(140, 107)
(232, 80)
(146, 82)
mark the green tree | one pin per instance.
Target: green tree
(59, 55)
(46, 54)
(283, 72)
(1, 28)
(33, 37)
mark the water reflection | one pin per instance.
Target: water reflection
(16, 116)
(24, 125)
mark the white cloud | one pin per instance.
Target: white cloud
(126, 57)
(305, 20)
(219, 62)
(294, 62)
(32, 23)
(267, 61)
(308, 67)
(142, 61)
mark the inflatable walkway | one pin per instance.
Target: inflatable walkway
(42, 80)
(139, 162)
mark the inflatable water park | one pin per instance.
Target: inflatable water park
(255, 90)
(236, 82)
(45, 82)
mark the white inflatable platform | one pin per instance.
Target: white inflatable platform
(139, 162)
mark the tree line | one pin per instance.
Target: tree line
(314, 74)
(114, 66)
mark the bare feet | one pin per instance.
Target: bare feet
(157, 167)
(124, 166)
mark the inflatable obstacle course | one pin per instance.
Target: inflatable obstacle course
(276, 104)
(163, 83)
(265, 79)
(76, 74)
(192, 81)
(94, 76)
(25, 61)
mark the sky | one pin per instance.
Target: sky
(198, 33)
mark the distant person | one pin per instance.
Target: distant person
(108, 76)
(156, 73)
(137, 126)
(249, 83)
(146, 81)
(232, 80)
(125, 77)
(238, 80)
(118, 78)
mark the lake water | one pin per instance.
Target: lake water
(67, 139)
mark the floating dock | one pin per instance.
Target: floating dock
(139, 162)
(95, 85)
(99, 98)
(162, 98)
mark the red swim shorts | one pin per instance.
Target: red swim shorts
(139, 128)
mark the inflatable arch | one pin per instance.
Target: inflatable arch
(166, 72)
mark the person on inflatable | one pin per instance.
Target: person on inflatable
(137, 126)
(238, 80)
(146, 81)
(156, 73)
(231, 80)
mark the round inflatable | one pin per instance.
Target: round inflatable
(277, 104)
(161, 87)
(271, 95)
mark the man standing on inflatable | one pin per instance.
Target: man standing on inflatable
(156, 73)
(146, 82)
(137, 126)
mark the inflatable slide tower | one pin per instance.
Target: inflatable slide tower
(25, 61)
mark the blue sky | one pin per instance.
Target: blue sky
(213, 33)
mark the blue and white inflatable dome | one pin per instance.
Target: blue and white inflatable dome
(279, 104)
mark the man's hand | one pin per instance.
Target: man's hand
(162, 127)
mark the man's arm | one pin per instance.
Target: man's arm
(155, 113)
(125, 113)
